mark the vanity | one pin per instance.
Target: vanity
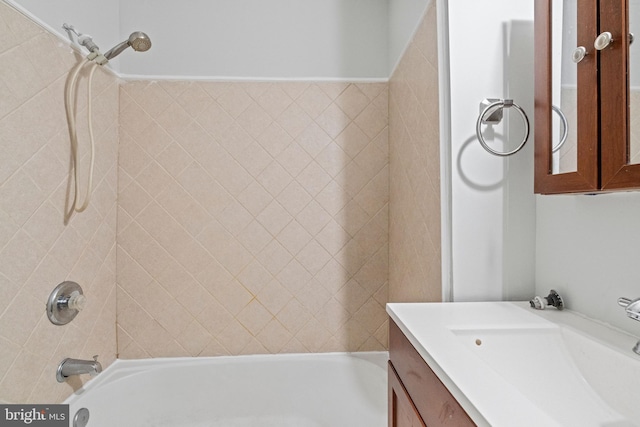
(416, 396)
(503, 364)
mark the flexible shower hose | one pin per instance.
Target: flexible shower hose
(71, 110)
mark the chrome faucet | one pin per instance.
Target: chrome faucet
(70, 367)
(632, 308)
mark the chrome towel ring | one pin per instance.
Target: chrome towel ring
(492, 114)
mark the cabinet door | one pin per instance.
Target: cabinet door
(402, 411)
(430, 399)
(620, 97)
(576, 26)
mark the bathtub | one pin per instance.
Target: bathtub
(289, 390)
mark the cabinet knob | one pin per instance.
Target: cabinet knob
(603, 40)
(578, 54)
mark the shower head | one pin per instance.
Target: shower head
(138, 40)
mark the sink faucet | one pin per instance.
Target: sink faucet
(632, 308)
(70, 367)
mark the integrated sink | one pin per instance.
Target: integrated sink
(510, 365)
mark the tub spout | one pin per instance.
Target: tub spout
(70, 367)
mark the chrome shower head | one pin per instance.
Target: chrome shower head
(138, 40)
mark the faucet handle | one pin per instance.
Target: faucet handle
(624, 302)
(553, 299)
(631, 307)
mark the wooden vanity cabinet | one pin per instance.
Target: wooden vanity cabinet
(402, 411)
(604, 153)
(417, 397)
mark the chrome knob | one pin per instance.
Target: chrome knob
(603, 40)
(578, 54)
(64, 303)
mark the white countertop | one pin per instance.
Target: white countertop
(444, 335)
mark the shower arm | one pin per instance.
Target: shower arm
(116, 50)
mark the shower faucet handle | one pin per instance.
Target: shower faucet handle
(65, 302)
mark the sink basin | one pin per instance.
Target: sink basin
(510, 365)
(579, 370)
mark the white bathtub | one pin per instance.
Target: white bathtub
(299, 390)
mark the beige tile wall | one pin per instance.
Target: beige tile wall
(37, 251)
(253, 218)
(414, 164)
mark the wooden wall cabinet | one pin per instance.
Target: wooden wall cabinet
(417, 397)
(603, 101)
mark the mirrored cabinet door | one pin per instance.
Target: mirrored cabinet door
(620, 97)
(634, 82)
(566, 104)
(566, 54)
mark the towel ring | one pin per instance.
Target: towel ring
(565, 128)
(493, 108)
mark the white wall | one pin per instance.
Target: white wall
(586, 245)
(493, 219)
(404, 17)
(328, 39)
(254, 38)
(587, 250)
